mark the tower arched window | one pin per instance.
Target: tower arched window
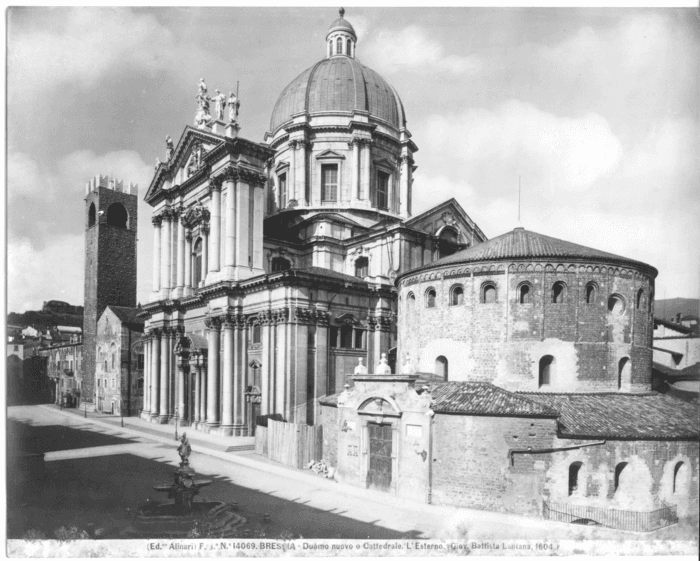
(430, 297)
(448, 242)
(117, 216)
(339, 46)
(197, 269)
(547, 370)
(330, 48)
(525, 293)
(348, 48)
(441, 368)
(411, 301)
(92, 215)
(488, 293)
(623, 372)
(280, 264)
(558, 292)
(640, 298)
(457, 296)
(282, 182)
(591, 290)
(361, 267)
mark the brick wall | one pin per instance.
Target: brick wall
(503, 342)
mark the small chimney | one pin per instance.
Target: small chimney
(678, 318)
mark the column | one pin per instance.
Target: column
(227, 378)
(205, 250)
(239, 375)
(188, 263)
(301, 159)
(166, 252)
(355, 185)
(213, 330)
(155, 372)
(203, 391)
(156, 221)
(267, 370)
(301, 357)
(180, 257)
(321, 368)
(146, 375)
(173, 253)
(181, 402)
(195, 363)
(282, 365)
(405, 185)
(243, 230)
(230, 243)
(256, 233)
(365, 170)
(292, 170)
(164, 374)
(215, 224)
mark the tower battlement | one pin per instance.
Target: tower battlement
(111, 183)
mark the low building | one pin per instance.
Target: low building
(64, 370)
(119, 373)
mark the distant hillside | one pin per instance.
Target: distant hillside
(667, 309)
(44, 319)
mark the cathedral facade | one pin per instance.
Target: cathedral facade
(274, 262)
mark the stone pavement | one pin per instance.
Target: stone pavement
(297, 487)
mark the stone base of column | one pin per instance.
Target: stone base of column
(225, 430)
(163, 419)
(240, 430)
(183, 423)
(145, 415)
(155, 296)
(165, 294)
(178, 292)
(211, 428)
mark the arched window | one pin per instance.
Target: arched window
(651, 301)
(339, 46)
(619, 478)
(591, 293)
(282, 183)
(680, 479)
(623, 372)
(361, 267)
(441, 367)
(280, 264)
(616, 304)
(117, 216)
(558, 292)
(114, 357)
(488, 293)
(348, 48)
(104, 366)
(383, 179)
(448, 242)
(197, 269)
(640, 298)
(574, 470)
(457, 296)
(430, 298)
(547, 370)
(525, 293)
(411, 301)
(330, 48)
(92, 215)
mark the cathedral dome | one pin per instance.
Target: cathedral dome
(339, 84)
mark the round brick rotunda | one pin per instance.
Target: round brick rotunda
(533, 313)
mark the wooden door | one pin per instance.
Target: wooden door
(379, 476)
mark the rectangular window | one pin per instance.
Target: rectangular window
(337, 231)
(256, 333)
(383, 190)
(333, 335)
(283, 190)
(346, 337)
(359, 338)
(329, 182)
(139, 362)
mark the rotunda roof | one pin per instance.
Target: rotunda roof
(521, 244)
(339, 84)
(341, 23)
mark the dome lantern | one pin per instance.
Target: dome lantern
(341, 38)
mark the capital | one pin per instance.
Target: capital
(264, 317)
(213, 323)
(188, 236)
(156, 220)
(216, 182)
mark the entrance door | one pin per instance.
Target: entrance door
(379, 476)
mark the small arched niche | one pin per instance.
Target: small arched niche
(441, 368)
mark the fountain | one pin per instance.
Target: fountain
(185, 517)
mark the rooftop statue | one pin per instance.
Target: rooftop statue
(360, 369)
(169, 148)
(383, 367)
(202, 88)
(220, 100)
(233, 105)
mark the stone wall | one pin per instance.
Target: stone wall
(504, 341)
(328, 419)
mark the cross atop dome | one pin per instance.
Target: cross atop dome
(341, 38)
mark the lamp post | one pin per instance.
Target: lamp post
(121, 413)
(176, 438)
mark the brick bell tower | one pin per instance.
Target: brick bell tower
(111, 220)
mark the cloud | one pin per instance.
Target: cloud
(80, 47)
(411, 48)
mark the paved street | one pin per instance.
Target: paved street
(96, 471)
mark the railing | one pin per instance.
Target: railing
(619, 519)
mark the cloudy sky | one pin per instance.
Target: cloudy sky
(596, 110)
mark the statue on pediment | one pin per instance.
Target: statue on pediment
(202, 88)
(383, 367)
(169, 148)
(220, 100)
(233, 105)
(158, 162)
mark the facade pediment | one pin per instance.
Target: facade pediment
(330, 155)
(448, 217)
